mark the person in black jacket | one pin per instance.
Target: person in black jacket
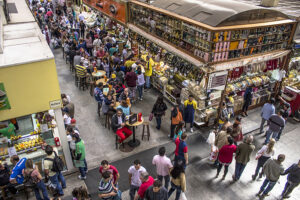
(118, 125)
(159, 110)
(247, 100)
(293, 179)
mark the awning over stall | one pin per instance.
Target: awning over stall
(249, 61)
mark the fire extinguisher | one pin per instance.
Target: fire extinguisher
(140, 117)
(57, 142)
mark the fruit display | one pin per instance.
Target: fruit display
(3, 151)
(12, 138)
(29, 144)
(242, 84)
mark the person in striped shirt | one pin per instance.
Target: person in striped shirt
(81, 71)
(107, 189)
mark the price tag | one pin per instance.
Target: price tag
(11, 151)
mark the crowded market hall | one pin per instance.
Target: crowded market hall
(166, 94)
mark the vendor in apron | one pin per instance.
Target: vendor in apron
(190, 106)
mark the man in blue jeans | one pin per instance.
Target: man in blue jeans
(272, 169)
(243, 153)
(56, 178)
(276, 123)
(266, 112)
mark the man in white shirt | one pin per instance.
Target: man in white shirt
(134, 177)
(81, 17)
(163, 165)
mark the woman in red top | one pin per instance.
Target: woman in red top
(225, 156)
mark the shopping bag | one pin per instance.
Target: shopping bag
(150, 117)
(211, 138)
(240, 137)
(182, 196)
(214, 153)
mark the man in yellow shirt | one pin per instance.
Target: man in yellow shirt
(148, 70)
(190, 105)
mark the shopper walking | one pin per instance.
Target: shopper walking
(276, 122)
(224, 116)
(131, 79)
(80, 156)
(272, 169)
(225, 156)
(293, 179)
(221, 140)
(51, 171)
(33, 176)
(243, 153)
(140, 83)
(176, 118)
(181, 151)
(237, 131)
(163, 165)
(107, 189)
(156, 192)
(266, 112)
(105, 166)
(147, 181)
(159, 110)
(99, 97)
(178, 181)
(266, 152)
(247, 100)
(285, 115)
(134, 177)
(190, 105)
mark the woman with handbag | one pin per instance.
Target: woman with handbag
(159, 110)
(34, 180)
(266, 152)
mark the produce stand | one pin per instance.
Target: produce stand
(33, 133)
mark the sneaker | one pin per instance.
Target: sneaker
(81, 178)
(192, 130)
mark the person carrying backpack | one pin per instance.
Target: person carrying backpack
(53, 165)
(176, 117)
(34, 180)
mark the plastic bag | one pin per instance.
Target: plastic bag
(182, 196)
(150, 117)
(214, 153)
(211, 138)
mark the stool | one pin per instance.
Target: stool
(108, 117)
(82, 83)
(148, 130)
(117, 142)
(92, 87)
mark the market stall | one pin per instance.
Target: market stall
(30, 98)
(238, 45)
(291, 85)
(33, 133)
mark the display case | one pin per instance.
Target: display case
(35, 131)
